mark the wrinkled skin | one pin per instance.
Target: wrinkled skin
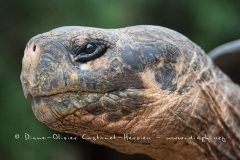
(149, 82)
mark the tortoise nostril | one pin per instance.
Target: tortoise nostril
(34, 48)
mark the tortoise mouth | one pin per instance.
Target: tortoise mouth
(49, 108)
(115, 104)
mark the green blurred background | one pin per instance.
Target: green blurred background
(208, 23)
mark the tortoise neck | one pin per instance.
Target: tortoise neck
(223, 114)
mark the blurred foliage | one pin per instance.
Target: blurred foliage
(207, 23)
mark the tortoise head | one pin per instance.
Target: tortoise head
(142, 80)
(89, 80)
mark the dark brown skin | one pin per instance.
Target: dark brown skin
(143, 81)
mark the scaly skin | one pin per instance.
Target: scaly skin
(150, 82)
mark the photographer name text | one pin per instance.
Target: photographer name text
(125, 137)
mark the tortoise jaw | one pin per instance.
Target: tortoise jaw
(113, 105)
(50, 108)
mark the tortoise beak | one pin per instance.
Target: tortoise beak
(25, 87)
(29, 64)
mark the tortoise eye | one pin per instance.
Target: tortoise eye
(89, 51)
(89, 48)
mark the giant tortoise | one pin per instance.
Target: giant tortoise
(141, 89)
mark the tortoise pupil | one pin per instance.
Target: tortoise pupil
(90, 48)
